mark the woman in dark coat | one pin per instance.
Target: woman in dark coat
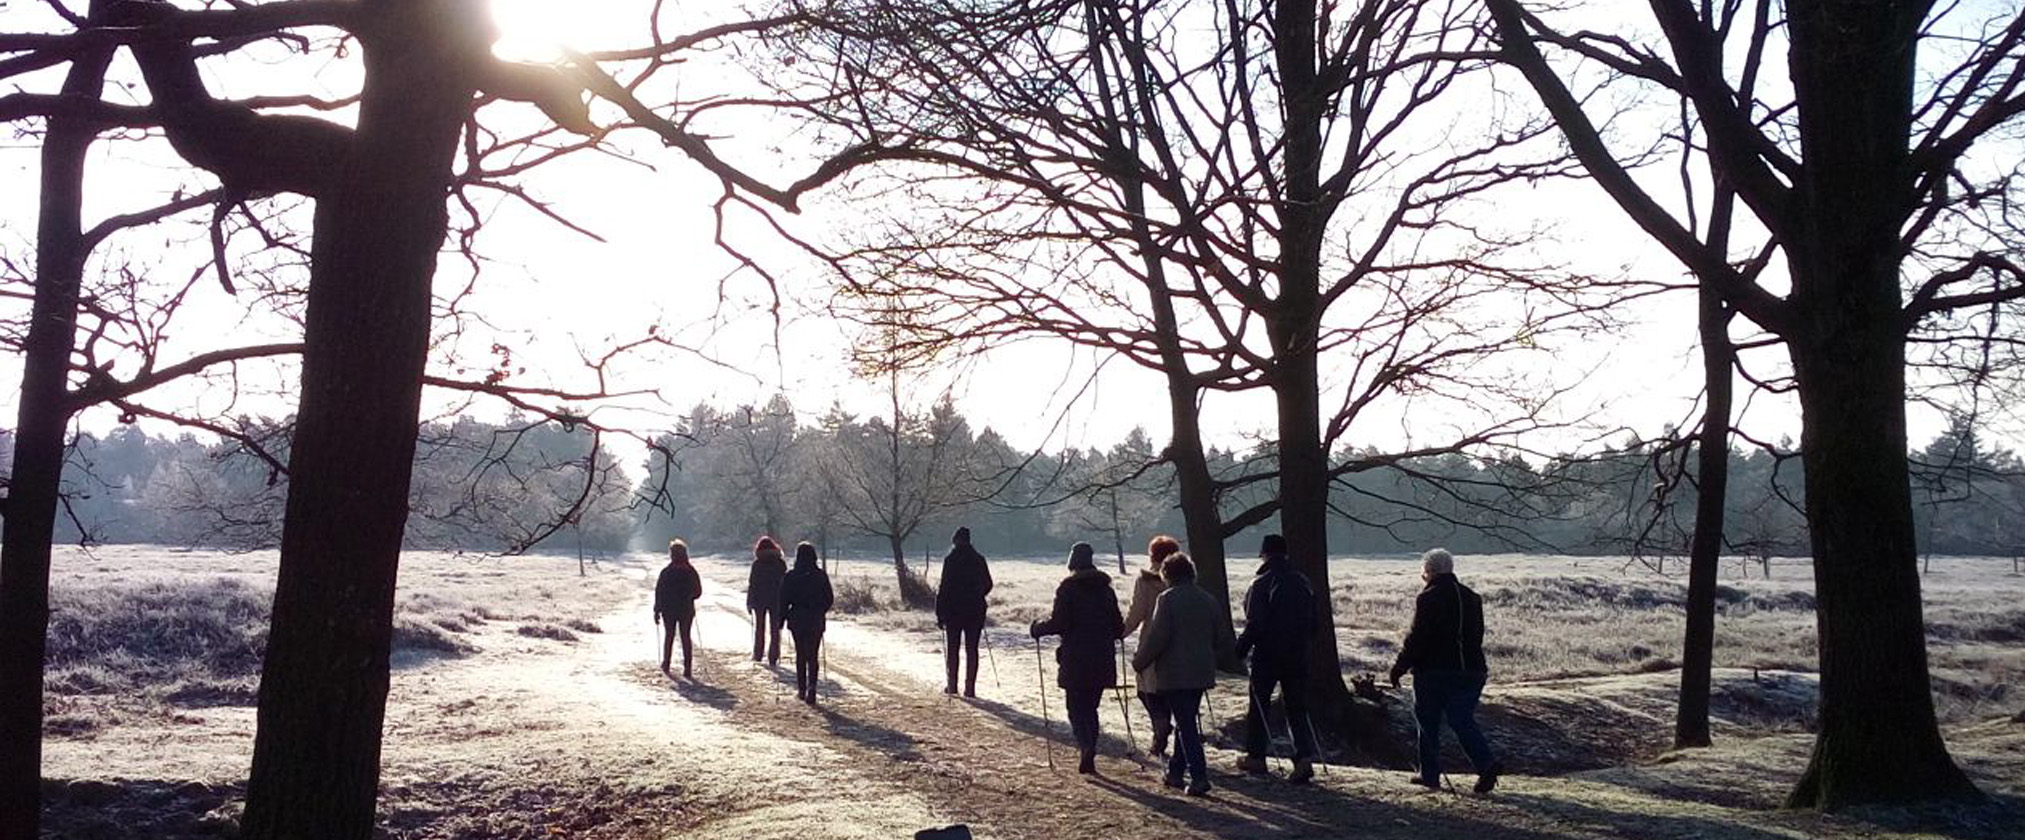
(762, 598)
(1086, 617)
(959, 607)
(805, 598)
(675, 594)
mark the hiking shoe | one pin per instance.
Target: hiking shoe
(949, 689)
(1487, 781)
(970, 692)
(1253, 764)
(1174, 780)
(1304, 770)
(1088, 765)
(1200, 788)
(1160, 742)
(1425, 782)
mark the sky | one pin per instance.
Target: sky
(552, 296)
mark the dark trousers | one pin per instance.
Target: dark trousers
(1082, 705)
(764, 619)
(1186, 707)
(965, 637)
(669, 630)
(1294, 692)
(808, 660)
(1450, 694)
(1158, 712)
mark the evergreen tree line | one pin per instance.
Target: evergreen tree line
(731, 474)
(478, 486)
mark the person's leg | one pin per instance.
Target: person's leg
(1163, 722)
(1430, 695)
(688, 647)
(758, 633)
(1461, 711)
(667, 643)
(951, 637)
(1294, 693)
(1259, 691)
(773, 649)
(1082, 704)
(1186, 706)
(801, 666)
(815, 662)
(970, 639)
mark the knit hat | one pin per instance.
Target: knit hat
(1081, 557)
(962, 536)
(1273, 544)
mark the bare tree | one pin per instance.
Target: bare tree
(1255, 205)
(1851, 178)
(380, 217)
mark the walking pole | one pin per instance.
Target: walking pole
(1048, 728)
(1321, 762)
(1125, 711)
(1266, 724)
(986, 638)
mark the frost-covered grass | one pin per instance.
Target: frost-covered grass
(1555, 618)
(147, 627)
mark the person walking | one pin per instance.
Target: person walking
(1146, 588)
(762, 598)
(960, 607)
(1280, 612)
(675, 594)
(1176, 659)
(805, 599)
(1444, 651)
(1086, 616)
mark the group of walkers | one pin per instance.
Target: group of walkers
(775, 596)
(1183, 643)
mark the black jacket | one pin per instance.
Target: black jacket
(1448, 630)
(676, 591)
(959, 596)
(1086, 617)
(762, 588)
(1280, 615)
(805, 597)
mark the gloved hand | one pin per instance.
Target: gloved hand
(657, 618)
(1395, 675)
(1034, 629)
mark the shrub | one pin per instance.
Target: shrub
(546, 631)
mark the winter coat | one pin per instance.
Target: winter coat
(762, 589)
(1280, 613)
(1181, 643)
(1146, 587)
(676, 591)
(1448, 630)
(959, 596)
(805, 597)
(1086, 617)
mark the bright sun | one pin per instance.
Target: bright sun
(539, 30)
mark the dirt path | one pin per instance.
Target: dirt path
(544, 738)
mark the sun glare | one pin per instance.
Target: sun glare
(539, 31)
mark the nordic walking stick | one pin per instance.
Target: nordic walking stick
(986, 638)
(1266, 724)
(1125, 711)
(1047, 728)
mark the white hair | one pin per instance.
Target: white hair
(1437, 561)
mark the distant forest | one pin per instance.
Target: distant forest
(898, 483)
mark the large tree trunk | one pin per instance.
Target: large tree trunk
(323, 687)
(1878, 742)
(1294, 331)
(1712, 478)
(32, 489)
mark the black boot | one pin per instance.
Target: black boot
(1160, 736)
(1088, 764)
